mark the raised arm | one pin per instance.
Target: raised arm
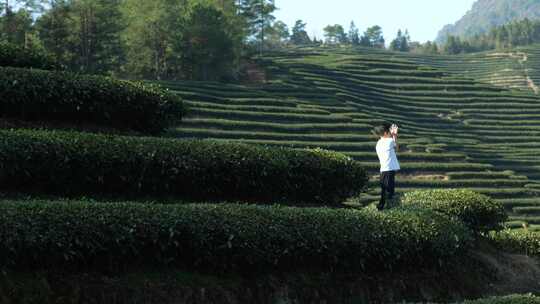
(394, 130)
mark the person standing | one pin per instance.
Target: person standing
(386, 151)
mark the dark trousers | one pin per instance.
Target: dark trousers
(388, 185)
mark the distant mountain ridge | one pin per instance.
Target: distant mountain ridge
(486, 14)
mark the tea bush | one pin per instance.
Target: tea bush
(229, 237)
(66, 97)
(512, 299)
(15, 56)
(478, 211)
(517, 241)
(75, 163)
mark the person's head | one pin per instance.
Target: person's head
(382, 130)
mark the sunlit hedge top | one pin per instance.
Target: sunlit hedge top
(85, 164)
(67, 97)
(227, 237)
(478, 211)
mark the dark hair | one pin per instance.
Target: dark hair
(382, 129)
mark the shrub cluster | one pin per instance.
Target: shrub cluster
(15, 56)
(517, 241)
(72, 163)
(66, 97)
(229, 237)
(512, 299)
(476, 210)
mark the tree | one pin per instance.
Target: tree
(502, 36)
(335, 34)
(259, 18)
(401, 43)
(279, 33)
(299, 35)
(153, 38)
(373, 37)
(98, 34)
(354, 34)
(453, 45)
(15, 27)
(208, 48)
(54, 31)
(429, 48)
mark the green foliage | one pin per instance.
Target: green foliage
(65, 97)
(335, 34)
(486, 14)
(299, 35)
(16, 26)
(512, 299)
(477, 211)
(55, 29)
(517, 241)
(401, 43)
(240, 238)
(354, 34)
(259, 16)
(208, 47)
(517, 33)
(278, 35)
(85, 164)
(14, 56)
(152, 38)
(84, 34)
(373, 37)
(169, 40)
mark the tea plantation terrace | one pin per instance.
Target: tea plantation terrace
(94, 200)
(517, 68)
(456, 131)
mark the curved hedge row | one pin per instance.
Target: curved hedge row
(239, 238)
(15, 56)
(512, 299)
(84, 164)
(517, 241)
(478, 211)
(66, 97)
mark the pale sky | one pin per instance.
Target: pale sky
(423, 18)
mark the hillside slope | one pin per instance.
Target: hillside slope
(513, 69)
(457, 132)
(486, 14)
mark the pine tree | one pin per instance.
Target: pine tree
(279, 33)
(299, 35)
(16, 26)
(354, 35)
(373, 37)
(259, 18)
(54, 31)
(208, 47)
(335, 34)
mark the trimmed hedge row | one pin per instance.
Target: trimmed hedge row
(15, 56)
(517, 241)
(66, 97)
(230, 237)
(476, 210)
(512, 299)
(72, 163)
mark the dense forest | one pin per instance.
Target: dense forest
(161, 39)
(487, 14)
(197, 39)
(516, 33)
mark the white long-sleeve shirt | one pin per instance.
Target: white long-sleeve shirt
(386, 151)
